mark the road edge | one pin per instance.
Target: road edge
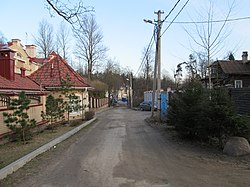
(14, 166)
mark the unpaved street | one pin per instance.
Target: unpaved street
(121, 149)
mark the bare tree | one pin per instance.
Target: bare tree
(45, 38)
(167, 81)
(148, 68)
(112, 77)
(70, 12)
(63, 41)
(209, 38)
(2, 38)
(89, 43)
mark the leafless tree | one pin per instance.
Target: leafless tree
(202, 64)
(112, 77)
(167, 81)
(71, 12)
(210, 37)
(89, 43)
(63, 41)
(45, 38)
(2, 38)
(148, 67)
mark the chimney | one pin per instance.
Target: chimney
(245, 57)
(7, 63)
(22, 72)
(52, 69)
(31, 50)
(16, 41)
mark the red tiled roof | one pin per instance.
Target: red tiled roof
(54, 71)
(235, 67)
(20, 83)
(39, 60)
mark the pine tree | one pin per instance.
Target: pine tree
(54, 110)
(18, 120)
(72, 102)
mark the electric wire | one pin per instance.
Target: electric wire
(175, 17)
(171, 10)
(146, 53)
(213, 21)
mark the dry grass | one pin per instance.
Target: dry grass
(12, 151)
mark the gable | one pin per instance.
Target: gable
(53, 72)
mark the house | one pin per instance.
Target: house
(51, 75)
(24, 57)
(231, 73)
(21, 70)
(13, 80)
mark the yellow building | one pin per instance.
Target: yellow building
(21, 70)
(13, 80)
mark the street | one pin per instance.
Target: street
(121, 149)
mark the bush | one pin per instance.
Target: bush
(89, 115)
(241, 126)
(187, 111)
(75, 123)
(206, 114)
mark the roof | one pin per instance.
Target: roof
(20, 83)
(40, 61)
(54, 71)
(4, 47)
(235, 67)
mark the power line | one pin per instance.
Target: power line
(146, 53)
(175, 17)
(213, 21)
(171, 10)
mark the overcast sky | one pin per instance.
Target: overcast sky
(125, 33)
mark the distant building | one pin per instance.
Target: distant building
(231, 73)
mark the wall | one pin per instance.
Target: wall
(83, 96)
(34, 112)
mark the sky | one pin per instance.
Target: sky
(126, 35)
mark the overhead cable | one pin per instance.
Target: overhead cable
(175, 17)
(171, 10)
(146, 53)
(212, 21)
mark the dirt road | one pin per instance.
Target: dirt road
(120, 149)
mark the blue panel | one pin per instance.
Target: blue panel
(164, 105)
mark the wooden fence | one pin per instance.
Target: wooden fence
(241, 100)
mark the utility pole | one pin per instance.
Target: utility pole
(131, 90)
(157, 68)
(158, 53)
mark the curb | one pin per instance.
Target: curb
(25, 159)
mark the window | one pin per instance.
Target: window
(238, 83)
(74, 103)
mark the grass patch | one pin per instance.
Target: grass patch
(12, 151)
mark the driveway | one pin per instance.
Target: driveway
(121, 149)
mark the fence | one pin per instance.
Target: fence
(241, 100)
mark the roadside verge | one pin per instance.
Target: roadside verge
(22, 161)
